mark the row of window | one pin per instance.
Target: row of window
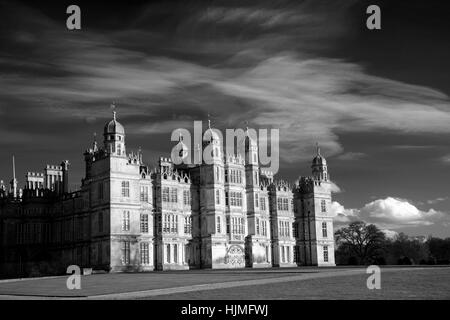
(143, 194)
(324, 230)
(32, 233)
(170, 225)
(172, 253)
(171, 194)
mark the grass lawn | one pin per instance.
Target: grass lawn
(293, 283)
(411, 284)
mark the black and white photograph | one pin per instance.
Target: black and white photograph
(224, 152)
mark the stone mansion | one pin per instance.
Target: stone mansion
(229, 213)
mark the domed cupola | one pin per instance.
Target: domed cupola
(210, 136)
(113, 127)
(319, 166)
(180, 151)
(114, 137)
(212, 146)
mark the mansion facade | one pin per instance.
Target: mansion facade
(228, 213)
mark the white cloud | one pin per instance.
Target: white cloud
(390, 234)
(389, 213)
(334, 188)
(342, 215)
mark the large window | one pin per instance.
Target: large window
(233, 176)
(144, 223)
(324, 230)
(284, 228)
(165, 194)
(288, 254)
(218, 225)
(125, 189)
(257, 226)
(144, 194)
(238, 225)
(325, 253)
(145, 254)
(175, 253)
(173, 195)
(296, 230)
(264, 227)
(323, 206)
(286, 204)
(256, 200)
(217, 196)
(188, 225)
(235, 199)
(170, 223)
(126, 252)
(168, 253)
(263, 203)
(283, 204)
(186, 197)
(126, 221)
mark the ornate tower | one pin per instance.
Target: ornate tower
(212, 201)
(257, 246)
(314, 223)
(319, 167)
(114, 138)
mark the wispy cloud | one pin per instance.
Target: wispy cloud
(350, 156)
(446, 159)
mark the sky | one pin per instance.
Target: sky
(377, 101)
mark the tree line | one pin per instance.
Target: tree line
(365, 244)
